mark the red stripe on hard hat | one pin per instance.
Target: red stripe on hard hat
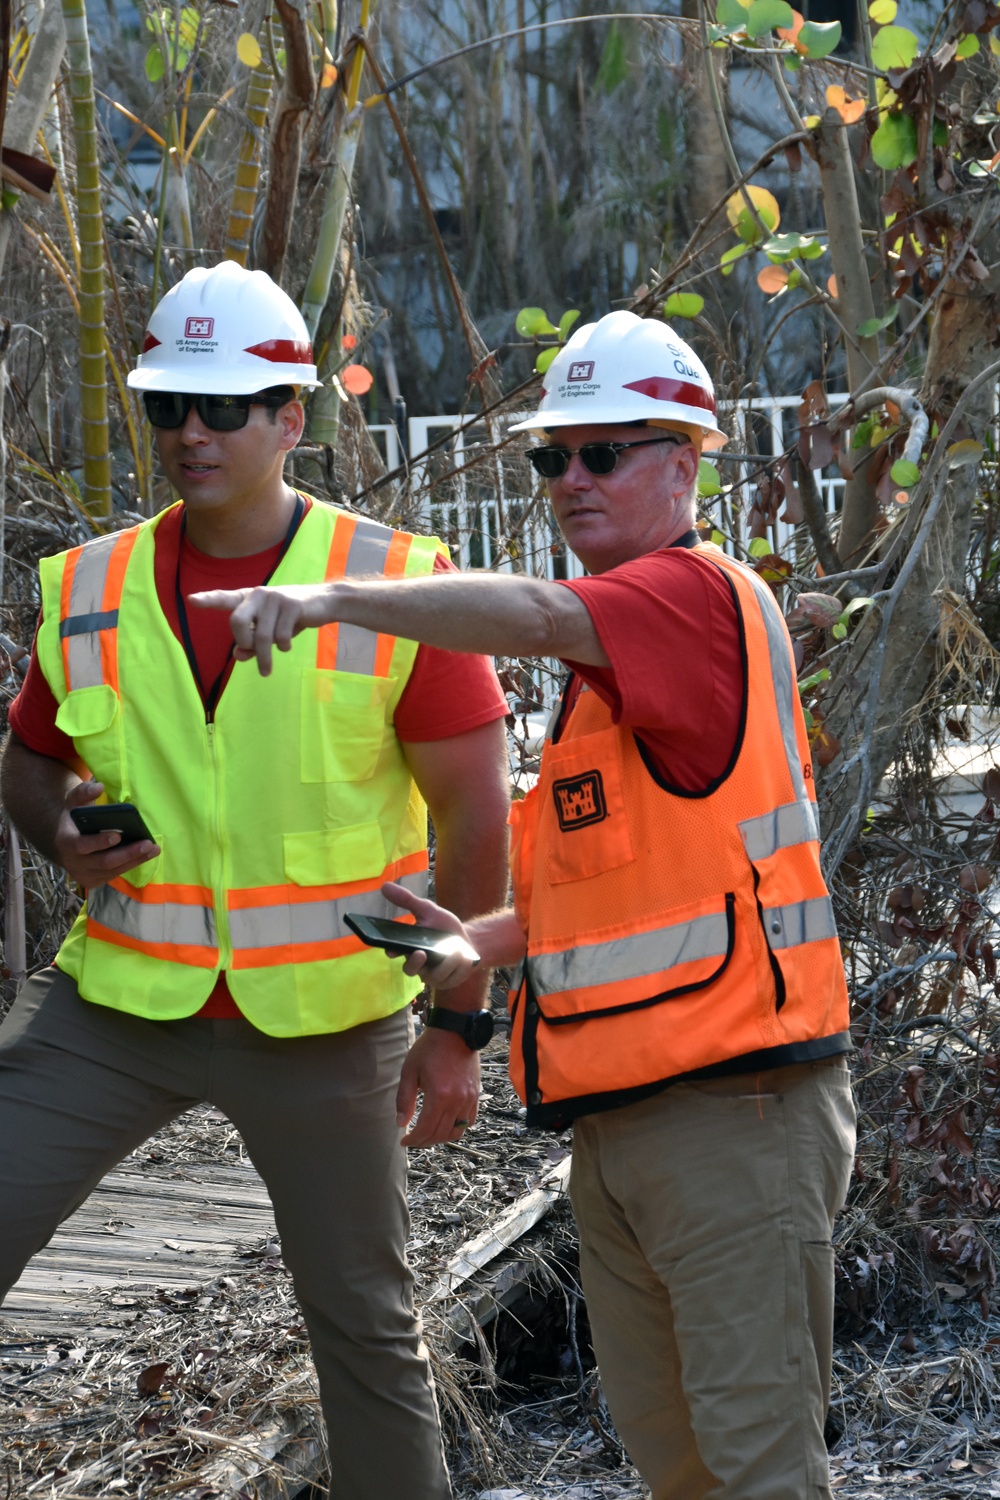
(149, 342)
(283, 351)
(662, 389)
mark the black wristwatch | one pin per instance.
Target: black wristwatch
(475, 1027)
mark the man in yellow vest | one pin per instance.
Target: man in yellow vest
(680, 993)
(210, 960)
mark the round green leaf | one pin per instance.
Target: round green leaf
(531, 321)
(683, 305)
(904, 473)
(793, 62)
(731, 14)
(709, 480)
(759, 547)
(765, 15)
(154, 64)
(894, 47)
(894, 143)
(968, 46)
(782, 247)
(883, 12)
(819, 38)
(566, 323)
(545, 358)
(839, 631)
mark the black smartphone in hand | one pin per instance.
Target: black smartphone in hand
(107, 817)
(404, 937)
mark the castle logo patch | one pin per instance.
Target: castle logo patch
(199, 328)
(581, 369)
(580, 800)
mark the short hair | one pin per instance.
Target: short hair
(277, 397)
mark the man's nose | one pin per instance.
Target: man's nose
(577, 475)
(193, 429)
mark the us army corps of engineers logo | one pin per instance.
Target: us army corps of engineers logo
(580, 800)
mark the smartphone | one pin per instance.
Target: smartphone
(405, 937)
(104, 817)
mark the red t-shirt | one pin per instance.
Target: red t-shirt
(670, 628)
(448, 692)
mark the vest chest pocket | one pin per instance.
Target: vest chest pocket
(588, 831)
(343, 724)
(91, 716)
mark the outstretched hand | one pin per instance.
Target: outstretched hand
(263, 618)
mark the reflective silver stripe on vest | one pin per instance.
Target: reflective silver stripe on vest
(152, 921)
(82, 626)
(782, 674)
(312, 921)
(630, 957)
(366, 555)
(800, 922)
(793, 823)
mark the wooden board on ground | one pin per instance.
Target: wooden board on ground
(144, 1231)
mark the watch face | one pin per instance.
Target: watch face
(479, 1029)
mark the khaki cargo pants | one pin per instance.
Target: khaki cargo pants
(81, 1086)
(705, 1218)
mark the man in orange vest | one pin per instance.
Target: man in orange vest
(680, 994)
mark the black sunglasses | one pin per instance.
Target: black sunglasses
(169, 409)
(552, 461)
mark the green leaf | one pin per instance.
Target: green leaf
(729, 256)
(883, 12)
(764, 15)
(731, 14)
(939, 133)
(871, 326)
(683, 305)
(566, 323)
(154, 64)
(781, 247)
(863, 432)
(793, 62)
(718, 538)
(855, 605)
(613, 69)
(819, 38)
(189, 27)
(814, 679)
(894, 47)
(838, 631)
(709, 480)
(531, 321)
(759, 547)
(968, 46)
(904, 473)
(545, 358)
(794, 279)
(894, 143)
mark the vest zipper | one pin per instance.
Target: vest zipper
(221, 908)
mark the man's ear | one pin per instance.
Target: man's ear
(291, 420)
(686, 468)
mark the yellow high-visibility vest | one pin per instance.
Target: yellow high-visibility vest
(289, 809)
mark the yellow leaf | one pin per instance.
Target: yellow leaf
(329, 77)
(995, 49)
(811, 121)
(883, 12)
(248, 50)
(743, 221)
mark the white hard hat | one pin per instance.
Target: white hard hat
(628, 369)
(224, 331)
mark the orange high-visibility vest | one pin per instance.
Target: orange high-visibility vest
(674, 934)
